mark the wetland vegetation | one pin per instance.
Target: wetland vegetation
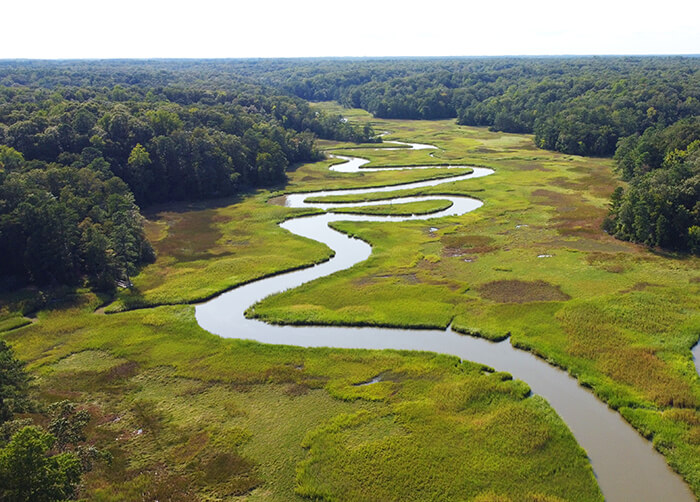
(619, 317)
(186, 415)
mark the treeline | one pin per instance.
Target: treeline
(58, 224)
(82, 144)
(661, 206)
(644, 110)
(576, 105)
(85, 143)
(188, 139)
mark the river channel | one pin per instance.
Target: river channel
(625, 464)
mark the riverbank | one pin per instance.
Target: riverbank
(624, 463)
(158, 361)
(619, 317)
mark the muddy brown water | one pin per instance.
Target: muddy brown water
(625, 464)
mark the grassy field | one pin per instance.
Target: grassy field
(399, 209)
(205, 248)
(232, 420)
(532, 263)
(190, 416)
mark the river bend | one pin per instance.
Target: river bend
(625, 464)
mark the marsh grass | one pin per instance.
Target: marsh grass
(399, 209)
(515, 291)
(207, 397)
(206, 248)
(190, 416)
(532, 263)
(13, 323)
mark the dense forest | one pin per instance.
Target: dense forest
(83, 145)
(642, 110)
(577, 105)
(661, 206)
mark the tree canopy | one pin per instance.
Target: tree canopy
(37, 464)
(661, 206)
(577, 105)
(84, 145)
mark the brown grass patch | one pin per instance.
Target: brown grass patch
(280, 200)
(565, 183)
(515, 291)
(641, 368)
(396, 278)
(597, 180)
(533, 167)
(296, 389)
(456, 244)
(613, 263)
(614, 269)
(223, 466)
(192, 447)
(234, 474)
(592, 335)
(402, 278)
(190, 236)
(122, 371)
(574, 215)
(161, 484)
(552, 198)
(640, 286)
(609, 245)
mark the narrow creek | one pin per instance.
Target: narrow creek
(626, 466)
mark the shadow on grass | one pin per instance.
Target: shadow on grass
(153, 212)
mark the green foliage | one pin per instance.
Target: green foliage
(207, 248)
(576, 105)
(203, 135)
(14, 383)
(389, 456)
(139, 158)
(60, 223)
(658, 147)
(694, 239)
(10, 158)
(36, 464)
(13, 323)
(28, 472)
(81, 144)
(67, 423)
(531, 263)
(625, 331)
(661, 207)
(164, 122)
(201, 416)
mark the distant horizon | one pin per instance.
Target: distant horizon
(275, 29)
(253, 58)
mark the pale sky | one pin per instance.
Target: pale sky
(274, 28)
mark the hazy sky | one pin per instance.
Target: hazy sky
(273, 28)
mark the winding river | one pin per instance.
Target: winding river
(626, 466)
